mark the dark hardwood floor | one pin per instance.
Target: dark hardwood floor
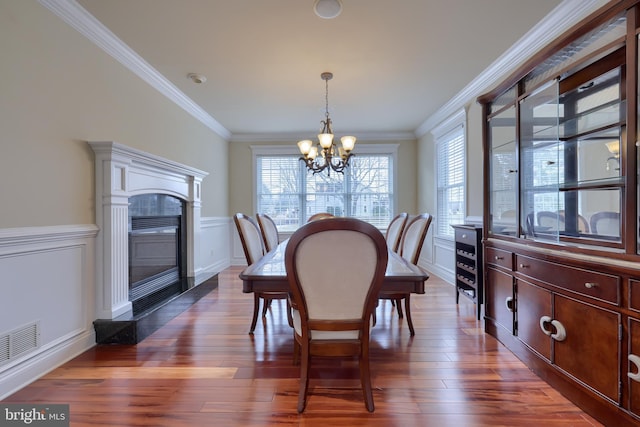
(203, 369)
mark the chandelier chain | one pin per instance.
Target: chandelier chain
(326, 98)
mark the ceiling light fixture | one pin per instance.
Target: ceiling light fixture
(327, 9)
(197, 78)
(329, 159)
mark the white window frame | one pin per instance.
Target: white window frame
(292, 150)
(443, 134)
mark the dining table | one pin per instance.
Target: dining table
(269, 274)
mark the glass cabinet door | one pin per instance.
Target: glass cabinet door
(504, 173)
(540, 163)
(591, 181)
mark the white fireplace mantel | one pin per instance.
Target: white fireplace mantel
(122, 172)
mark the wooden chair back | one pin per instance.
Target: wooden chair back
(413, 237)
(395, 229)
(250, 237)
(320, 215)
(335, 269)
(269, 231)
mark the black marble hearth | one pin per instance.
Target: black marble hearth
(133, 329)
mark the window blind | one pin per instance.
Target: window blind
(450, 165)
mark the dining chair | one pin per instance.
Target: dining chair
(333, 300)
(253, 247)
(269, 231)
(320, 215)
(550, 221)
(395, 229)
(410, 249)
(605, 223)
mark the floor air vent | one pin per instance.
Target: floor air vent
(19, 341)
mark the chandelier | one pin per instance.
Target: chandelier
(331, 157)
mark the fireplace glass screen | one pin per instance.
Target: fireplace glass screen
(155, 242)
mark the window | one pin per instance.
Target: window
(287, 192)
(450, 173)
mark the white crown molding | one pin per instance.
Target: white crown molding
(559, 20)
(457, 119)
(295, 137)
(566, 14)
(77, 17)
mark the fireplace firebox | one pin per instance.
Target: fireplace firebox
(156, 254)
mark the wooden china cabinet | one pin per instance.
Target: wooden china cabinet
(561, 216)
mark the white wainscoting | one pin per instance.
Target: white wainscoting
(47, 276)
(215, 246)
(443, 260)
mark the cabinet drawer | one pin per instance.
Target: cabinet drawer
(468, 237)
(601, 286)
(634, 294)
(500, 257)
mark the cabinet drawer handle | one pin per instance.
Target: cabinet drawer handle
(464, 236)
(635, 361)
(524, 266)
(512, 170)
(543, 321)
(590, 285)
(508, 302)
(561, 332)
(498, 258)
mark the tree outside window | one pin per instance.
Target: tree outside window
(290, 194)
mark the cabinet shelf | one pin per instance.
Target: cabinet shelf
(468, 267)
(466, 254)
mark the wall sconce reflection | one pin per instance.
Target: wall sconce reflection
(614, 149)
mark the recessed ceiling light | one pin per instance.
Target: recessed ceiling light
(197, 78)
(327, 9)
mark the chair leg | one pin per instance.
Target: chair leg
(296, 350)
(304, 378)
(365, 380)
(398, 304)
(256, 309)
(289, 315)
(407, 309)
(266, 303)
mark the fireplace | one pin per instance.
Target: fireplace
(132, 180)
(148, 213)
(156, 255)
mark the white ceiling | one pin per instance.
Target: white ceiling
(395, 63)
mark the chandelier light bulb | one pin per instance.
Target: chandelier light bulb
(326, 139)
(348, 142)
(305, 146)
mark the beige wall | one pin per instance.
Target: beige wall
(241, 198)
(475, 187)
(426, 155)
(58, 90)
